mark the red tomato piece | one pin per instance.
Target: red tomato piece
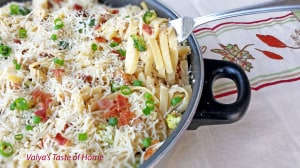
(17, 41)
(100, 39)
(77, 7)
(125, 117)
(58, 73)
(39, 96)
(44, 99)
(122, 103)
(60, 139)
(58, 1)
(117, 39)
(119, 54)
(115, 11)
(147, 29)
(113, 112)
(97, 27)
(66, 127)
(43, 114)
(86, 78)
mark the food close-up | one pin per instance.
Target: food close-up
(83, 84)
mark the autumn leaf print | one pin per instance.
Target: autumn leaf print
(273, 41)
(270, 54)
(233, 53)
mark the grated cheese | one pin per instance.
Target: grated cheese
(77, 87)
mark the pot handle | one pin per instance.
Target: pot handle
(212, 112)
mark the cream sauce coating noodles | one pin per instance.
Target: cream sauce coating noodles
(87, 85)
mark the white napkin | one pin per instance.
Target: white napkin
(268, 136)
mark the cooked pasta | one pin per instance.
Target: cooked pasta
(87, 85)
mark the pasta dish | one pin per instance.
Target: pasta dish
(87, 85)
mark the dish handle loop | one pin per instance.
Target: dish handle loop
(209, 110)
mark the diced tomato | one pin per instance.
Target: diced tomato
(86, 78)
(121, 57)
(104, 104)
(42, 113)
(77, 7)
(115, 11)
(66, 127)
(17, 41)
(44, 99)
(122, 103)
(61, 140)
(120, 108)
(147, 29)
(125, 117)
(127, 78)
(97, 27)
(24, 51)
(115, 52)
(57, 73)
(100, 39)
(117, 39)
(39, 96)
(150, 150)
(45, 54)
(58, 1)
(103, 19)
(36, 94)
(113, 112)
(41, 144)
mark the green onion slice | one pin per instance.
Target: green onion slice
(6, 149)
(36, 119)
(18, 10)
(175, 100)
(146, 142)
(148, 96)
(58, 24)
(13, 106)
(82, 136)
(92, 22)
(22, 33)
(125, 90)
(150, 104)
(94, 47)
(113, 121)
(147, 111)
(5, 50)
(122, 52)
(14, 9)
(18, 66)
(113, 44)
(58, 61)
(29, 127)
(114, 87)
(137, 83)
(20, 104)
(18, 137)
(53, 37)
